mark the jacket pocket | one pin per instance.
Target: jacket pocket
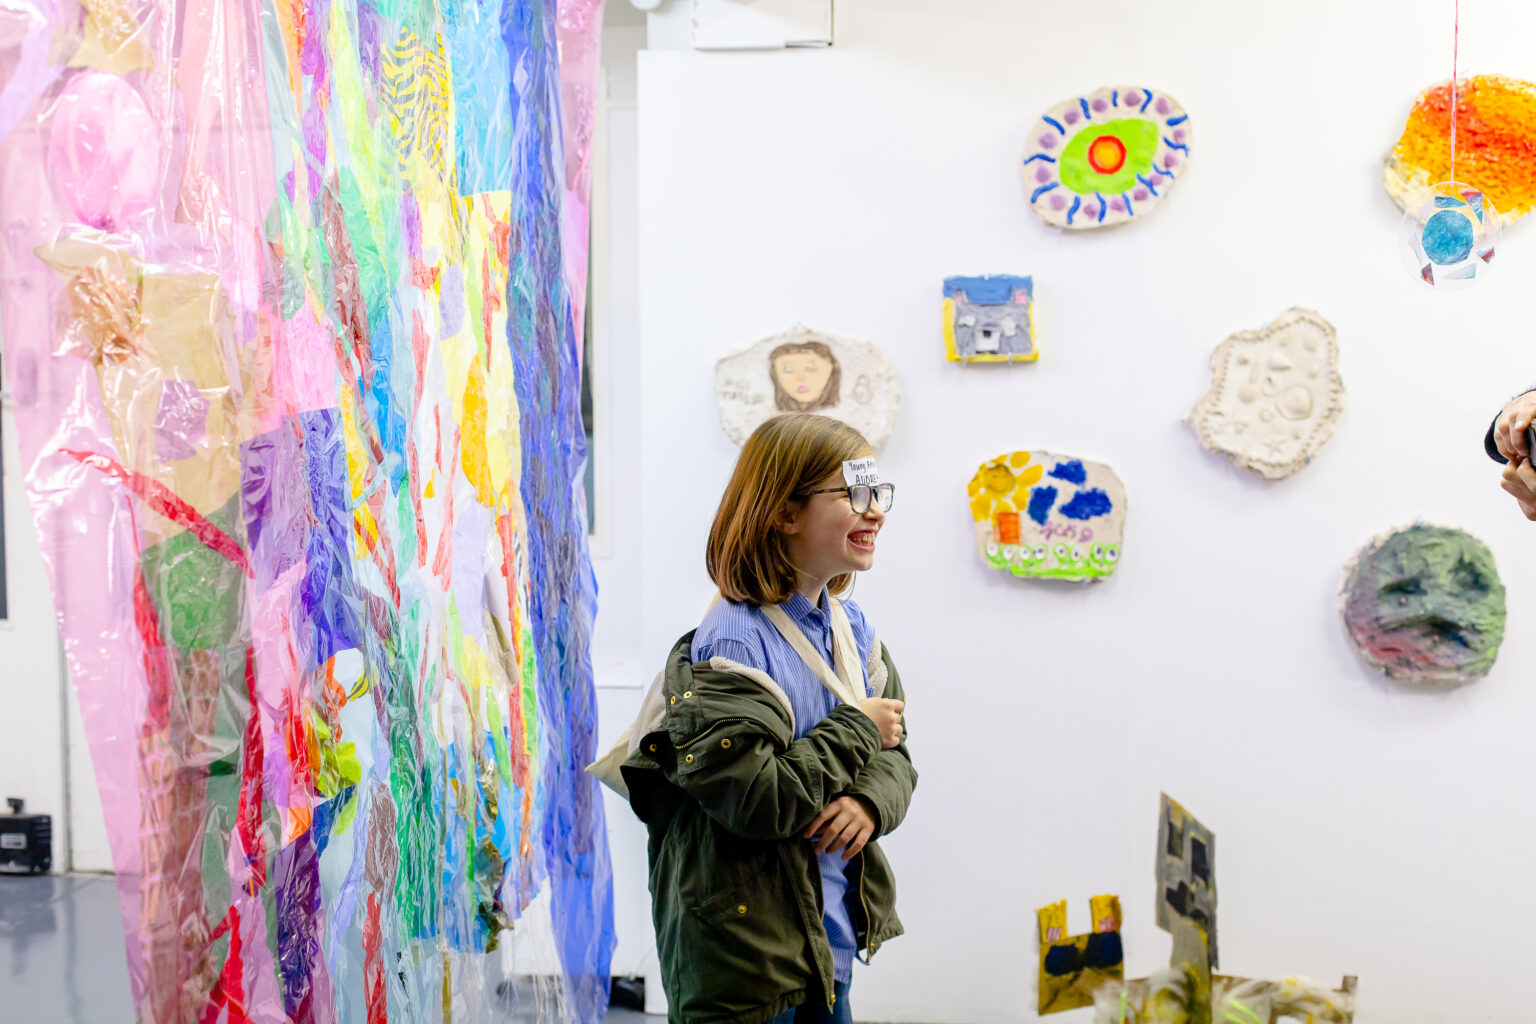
(731, 906)
(745, 949)
(719, 741)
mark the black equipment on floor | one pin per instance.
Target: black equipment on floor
(26, 841)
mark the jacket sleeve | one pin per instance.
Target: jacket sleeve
(888, 780)
(756, 787)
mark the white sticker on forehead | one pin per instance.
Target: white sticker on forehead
(861, 471)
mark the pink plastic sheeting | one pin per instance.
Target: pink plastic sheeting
(581, 35)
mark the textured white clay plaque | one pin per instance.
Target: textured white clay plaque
(1275, 395)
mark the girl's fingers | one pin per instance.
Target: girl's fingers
(834, 840)
(821, 819)
(858, 843)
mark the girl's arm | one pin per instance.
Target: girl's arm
(734, 761)
(888, 779)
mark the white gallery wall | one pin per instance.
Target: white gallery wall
(1362, 828)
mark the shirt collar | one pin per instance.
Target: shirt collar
(800, 609)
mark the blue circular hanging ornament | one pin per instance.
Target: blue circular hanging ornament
(1449, 235)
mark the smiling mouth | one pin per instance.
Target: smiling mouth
(802, 389)
(863, 539)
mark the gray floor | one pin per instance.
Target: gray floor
(61, 953)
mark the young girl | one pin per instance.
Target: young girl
(775, 755)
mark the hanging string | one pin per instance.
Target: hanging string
(1455, 54)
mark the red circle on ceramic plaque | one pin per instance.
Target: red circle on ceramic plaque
(1106, 154)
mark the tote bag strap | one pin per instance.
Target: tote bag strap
(844, 651)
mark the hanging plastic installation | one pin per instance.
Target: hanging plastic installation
(302, 283)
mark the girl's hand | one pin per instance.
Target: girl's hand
(1509, 430)
(846, 821)
(886, 714)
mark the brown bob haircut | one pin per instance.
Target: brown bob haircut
(830, 395)
(785, 458)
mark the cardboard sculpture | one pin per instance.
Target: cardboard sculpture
(1275, 395)
(1073, 966)
(1188, 992)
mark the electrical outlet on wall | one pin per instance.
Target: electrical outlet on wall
(761, 24)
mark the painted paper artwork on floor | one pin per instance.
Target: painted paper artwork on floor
(1044, 516)
(989, 318)
(803, 370)
(1495, 144)
(1105, 158)
(1275, 394)
(1424, 605)
(291, 292)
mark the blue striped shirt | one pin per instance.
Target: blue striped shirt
(742, 633)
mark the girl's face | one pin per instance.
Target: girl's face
(827, 538)
(802, 375)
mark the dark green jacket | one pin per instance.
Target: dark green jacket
(726, 793)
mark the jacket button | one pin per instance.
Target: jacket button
(725, 744)
(653, 748)
(742, 909)
(687, 694)
(674, 698)
(688, 759)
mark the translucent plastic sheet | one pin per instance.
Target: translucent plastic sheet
(286, 294)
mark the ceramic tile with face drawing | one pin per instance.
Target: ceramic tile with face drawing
(1275, 395)
(808, 371)
(989, 319)
(1044, 516)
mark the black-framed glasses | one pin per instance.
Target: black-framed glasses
(861, 495)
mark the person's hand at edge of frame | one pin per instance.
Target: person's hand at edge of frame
(1509, 429)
